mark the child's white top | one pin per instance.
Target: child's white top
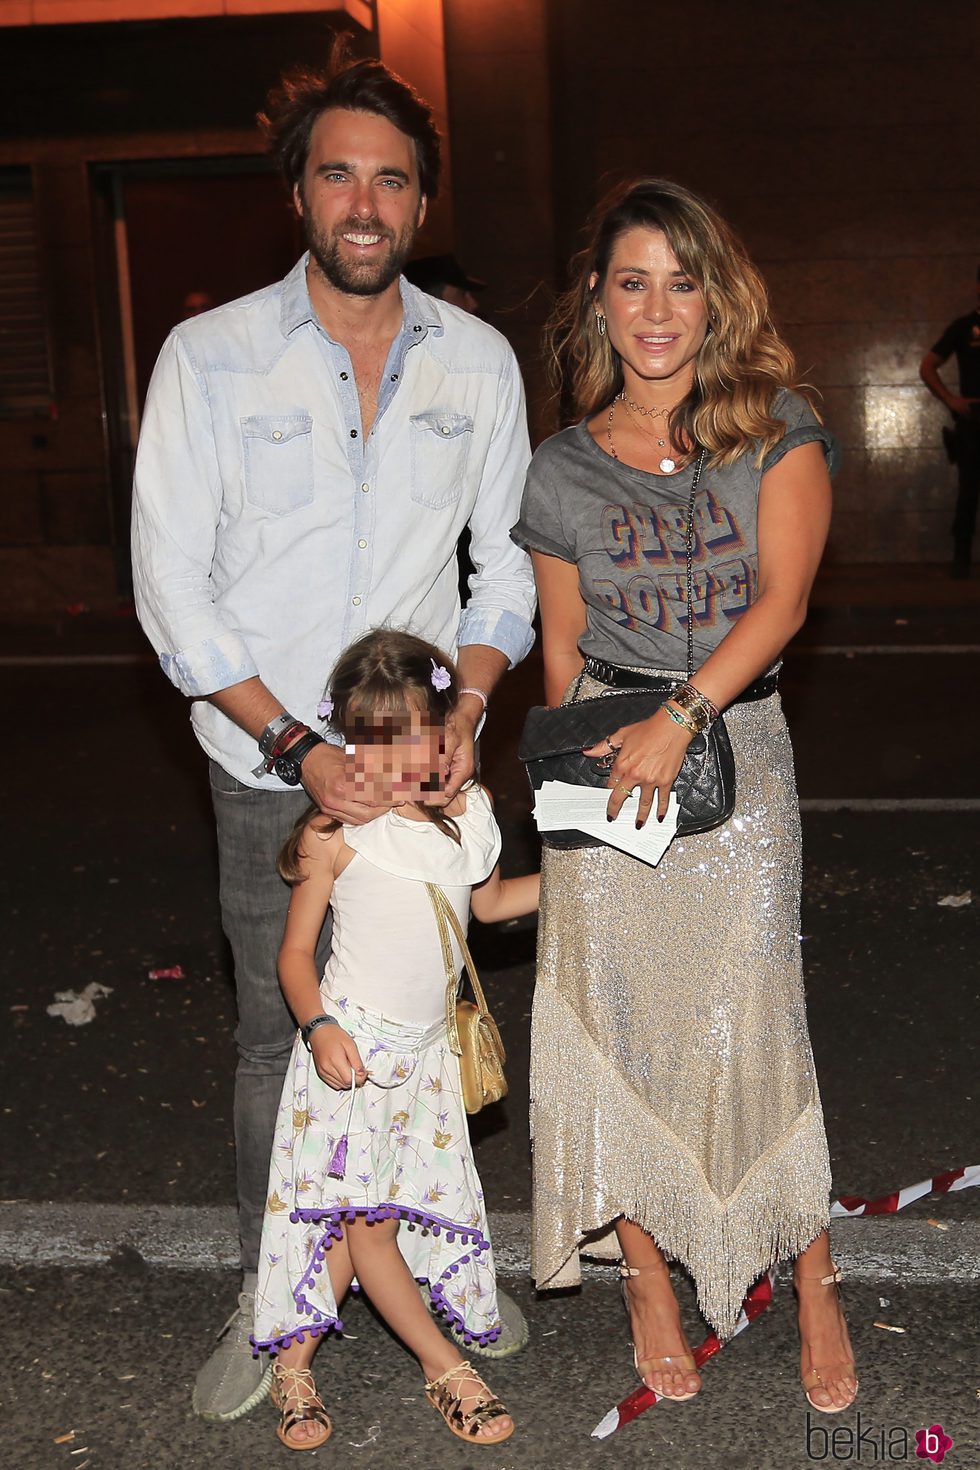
(385, 952)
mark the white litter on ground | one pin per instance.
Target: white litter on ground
(78, 1008)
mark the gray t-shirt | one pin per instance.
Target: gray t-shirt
(624, 528)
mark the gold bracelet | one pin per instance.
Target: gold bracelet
(681, 717)
(698, 705)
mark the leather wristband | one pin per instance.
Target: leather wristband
(321, 1020)
(273, 730)
(287, 766)
(277, 742)
(288, 737)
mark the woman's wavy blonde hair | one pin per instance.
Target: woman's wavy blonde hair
(743, 362)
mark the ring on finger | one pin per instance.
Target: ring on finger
(613, 749)
(628, 789)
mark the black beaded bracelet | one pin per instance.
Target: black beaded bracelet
(321, 1020)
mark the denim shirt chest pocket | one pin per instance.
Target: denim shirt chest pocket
(278, 461)
(440, 443)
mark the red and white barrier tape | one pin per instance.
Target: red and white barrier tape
(849, 1206)
(644, 1398)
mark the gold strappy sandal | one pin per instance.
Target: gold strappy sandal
(680, 1362)
(466, 1423)
(817, 1377)
(294, 1394)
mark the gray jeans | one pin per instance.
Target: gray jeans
(252, 826)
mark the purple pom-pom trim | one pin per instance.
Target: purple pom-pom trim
(332, 1221)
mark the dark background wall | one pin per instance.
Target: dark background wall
(842, 141)
(150, 126)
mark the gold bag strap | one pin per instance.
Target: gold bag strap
(447, 918)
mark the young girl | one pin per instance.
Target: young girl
(372, 1175)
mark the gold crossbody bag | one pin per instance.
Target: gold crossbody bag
(473, 1034)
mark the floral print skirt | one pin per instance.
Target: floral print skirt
(408, 1157)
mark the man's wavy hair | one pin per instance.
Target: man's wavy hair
(743, 362)
(303, 94)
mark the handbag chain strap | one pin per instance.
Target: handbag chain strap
(446, 918)
(689, 550)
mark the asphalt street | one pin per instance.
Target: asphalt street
(117, 1181)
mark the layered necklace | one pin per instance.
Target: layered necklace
(667, 464)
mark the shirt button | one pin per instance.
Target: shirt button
(362, 543)
(394, 377)
(353, 433)
(277, 433)
(416, 329)
(365, 487)
(343, 377)
(356, 601)
(445, 429)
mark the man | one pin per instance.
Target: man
(442, 276)
(962, 338)
(309, 457)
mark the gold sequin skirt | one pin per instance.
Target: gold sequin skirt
(672, 1079)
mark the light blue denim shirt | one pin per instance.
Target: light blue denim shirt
(268, 533)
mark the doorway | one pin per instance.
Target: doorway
(173, 237)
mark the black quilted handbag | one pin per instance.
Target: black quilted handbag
(553, 740)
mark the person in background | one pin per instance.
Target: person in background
(962, 340)
(310, 456)
(195, 303)
(442, 276)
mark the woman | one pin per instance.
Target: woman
(673, 995)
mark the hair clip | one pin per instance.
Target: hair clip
(325, 708)
(441, 678)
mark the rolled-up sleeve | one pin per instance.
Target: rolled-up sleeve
(540, 527)
(502, 599)
(176, 510)
(802, 427)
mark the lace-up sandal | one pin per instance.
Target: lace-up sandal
(822, 1377)
(446, 1397)
(677, 1362)
(294, 1395)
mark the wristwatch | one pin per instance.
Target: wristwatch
(287, 766)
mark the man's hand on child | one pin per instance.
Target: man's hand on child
(460, 755)
(336, 1057)
(324, 773)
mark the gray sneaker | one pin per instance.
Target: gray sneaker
(514, 1334)
(513, 1337)
(232, 1382)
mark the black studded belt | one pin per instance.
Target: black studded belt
(620, 678)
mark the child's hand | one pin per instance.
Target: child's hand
(336, 1057)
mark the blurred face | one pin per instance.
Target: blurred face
(359, 201)
(394, 758)
(656, 317)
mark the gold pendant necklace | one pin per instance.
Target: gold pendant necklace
(667, 464)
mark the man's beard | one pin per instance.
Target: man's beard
(359, 277)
